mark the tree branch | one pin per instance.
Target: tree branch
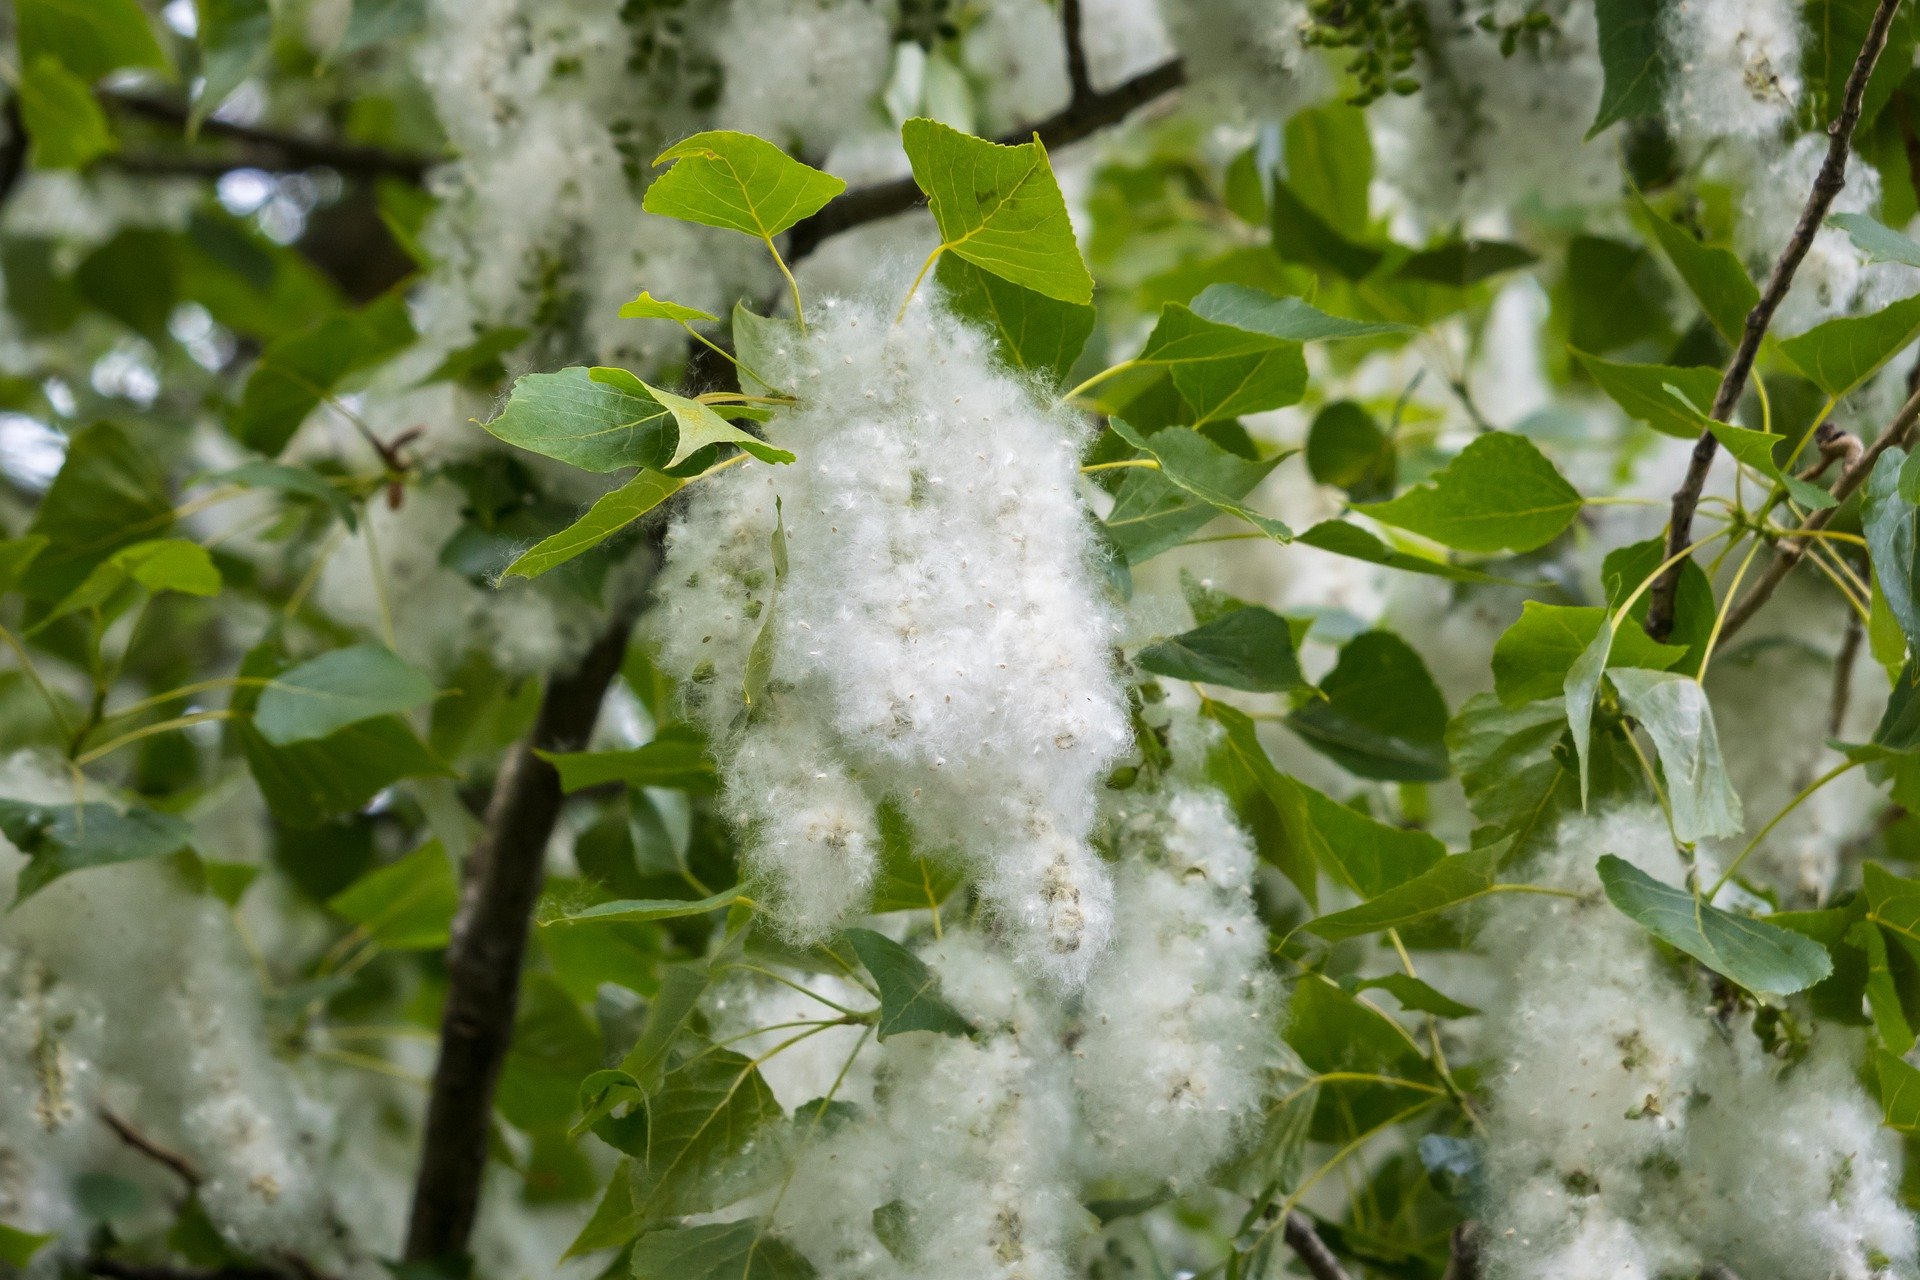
(114, 1269)
(257, 148)
(501, 882)
(1794, 545)
(1826, 185)
(1311, 1249)
(13, 151)
(1080, 118)
(181, 1166)
(1079, 79)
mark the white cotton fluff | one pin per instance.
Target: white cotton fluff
(1632, 1133)
(1016, 55)
(1124, 38)
(1249, 54)
(810, 1069)
(1835, 278)
(939, 627)
(803, 73)
(1177, 1024)
(169, 1033)
(1737, 67)
(968, 1139)
(1490, 133)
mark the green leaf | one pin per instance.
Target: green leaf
(1758, 956)
(1883, 994)
(234, 36)
(1517, 777)
(1673, 709)
(301, 481)
(1641, 391)
(1151, 514)
(697, 425)
(709, 1109)
(407, 905)
(1844, 352)
(1714, 276)
(1300, 234)
(1893, 904)
(379, 21)
(88, 37)
(1879, 242)
(1892, 528)
(675, 759)
(648, 307)
(641, 910)
(1757, 450)
(741, 1250)
(1581, 690)
(908, 879)
(1283, 319)
(1532, 657)
(1499, 494)
(1612, 294)
(1334, 1033)
(1416, 995)
(758, 678)
(1625, 568)
(999, 208)
(1461, 263)
(17, 1247)
(1189, 464)
(16, 557)
(1329, 157)
(479, 361)
(1347, 449)
(1337, 537)
(1249, 648)
(1634, 59)
(761, 344)
(1837, 29)
(1899, 1091)
(109, 493)
(61, 115)
(1261, 796)
(1366, 855)
(1380, 715)
(1450, 881)
(738, 182)
(162, 564)
(611, 513)
(909, 991)
(585, 421)
(296, 373)
(1033, 331)
(338, 689)
(62, 838)
(1221, 371)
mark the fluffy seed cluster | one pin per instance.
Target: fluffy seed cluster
(1636, 1135)
(804, 73)
(937, 642)
(1736, 67)
(970, 1156)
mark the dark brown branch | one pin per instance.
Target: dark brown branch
(1463, 1253)
(1311, 1249)
(501, 882)
(1079, 79)
(1078, 119)
(257, 148)
(115, 1269)
(1843, 665)
(181, 1166)
(1794, 545)
(13, 151)
(1826, 185)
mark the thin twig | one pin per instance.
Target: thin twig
(182, 1167)
(13, 150)
(258, 148)
(1311, 1249)
(1787, 554)
(1826, 185)
(501, 882)
(1077, 120)
(1079, 80)
(1463, 1254)
(1843, 665)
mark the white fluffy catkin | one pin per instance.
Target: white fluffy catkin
(1177, 1024)
(938, 640)
(1737, 67)
(1634, 1134)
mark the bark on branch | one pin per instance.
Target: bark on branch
(1311, 1249)
(256, 148)
(1826, 185)
(1793, 546)
(501, 882)
(1083, 116)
